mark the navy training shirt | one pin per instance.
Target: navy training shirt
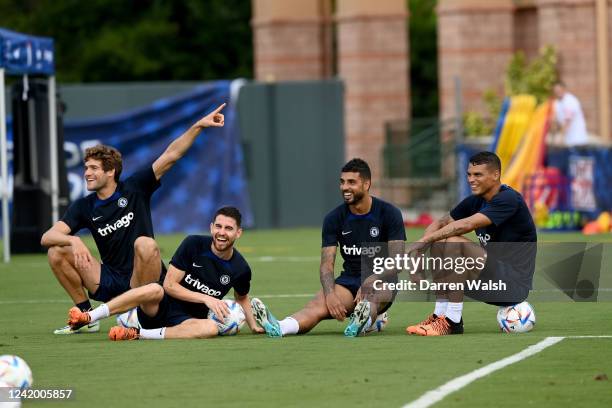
(342, 228)
(117, 221)
(511, 223)
(206, 273)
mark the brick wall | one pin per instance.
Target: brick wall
(526, 31)
(290, 50)
(476, 38)
(475, 43)
(373, 62)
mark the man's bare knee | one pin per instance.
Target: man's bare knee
(146, 248)
(154, 292)
(57, 255)
(448, 247)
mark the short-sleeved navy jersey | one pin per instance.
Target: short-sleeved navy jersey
(117, 221)
(511, 222)
(508, 212)
(205, 272)
(342, 228)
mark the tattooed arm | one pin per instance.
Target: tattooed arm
(456, 228)
(326, 272)
(439, 223)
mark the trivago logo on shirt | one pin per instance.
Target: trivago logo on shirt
(357, 251)
(201, 286)
(484, 238)
(120, 223)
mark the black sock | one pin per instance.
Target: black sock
(453, 324)
(84, 306)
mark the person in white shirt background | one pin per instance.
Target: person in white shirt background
(569, 116)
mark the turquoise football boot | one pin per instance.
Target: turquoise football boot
(265, 318)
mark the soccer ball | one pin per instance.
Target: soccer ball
(129, 319)
(231, 324)
(15, 372)
(379, 324)
(519, 318)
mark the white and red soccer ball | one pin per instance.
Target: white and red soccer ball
(519, 318)
(231, 324)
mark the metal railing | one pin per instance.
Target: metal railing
(419, 158)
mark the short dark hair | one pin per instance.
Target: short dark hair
(560, 83)
(488, 158)
(231, 212)
(108, 156)
(357, 165)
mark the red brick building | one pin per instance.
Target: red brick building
(367, 42)
(294, 39)
(476, 39)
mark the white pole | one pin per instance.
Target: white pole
(53, 159)
(6, 237)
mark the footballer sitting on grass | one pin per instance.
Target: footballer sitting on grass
(360, 219)
(118, 215)
(504, 226)
(202, 271)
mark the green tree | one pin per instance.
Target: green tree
(535, 78)
(132, 40)
(423, 58)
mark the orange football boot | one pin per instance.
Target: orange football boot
(77, 318)
(117, 333)
(415, 328)
(440, 327)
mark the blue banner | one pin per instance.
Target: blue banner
(589, 170)
(26, 54)
(210, 175)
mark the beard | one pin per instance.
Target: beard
(357, 197)
(222, 246)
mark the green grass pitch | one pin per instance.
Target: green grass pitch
(321, 368)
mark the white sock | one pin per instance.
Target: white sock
(100, 312)
(153, 334)
(453, 311)
(441, 306)
(367, 325)
(289, 326)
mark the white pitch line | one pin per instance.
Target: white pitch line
(33, 301)
(298, 295)
(588, 337)
(556, 290)
(436, 395)
(262, 258)
(43, 301)
(283, 258)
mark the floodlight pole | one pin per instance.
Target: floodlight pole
(6, 238)
(53, 159)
